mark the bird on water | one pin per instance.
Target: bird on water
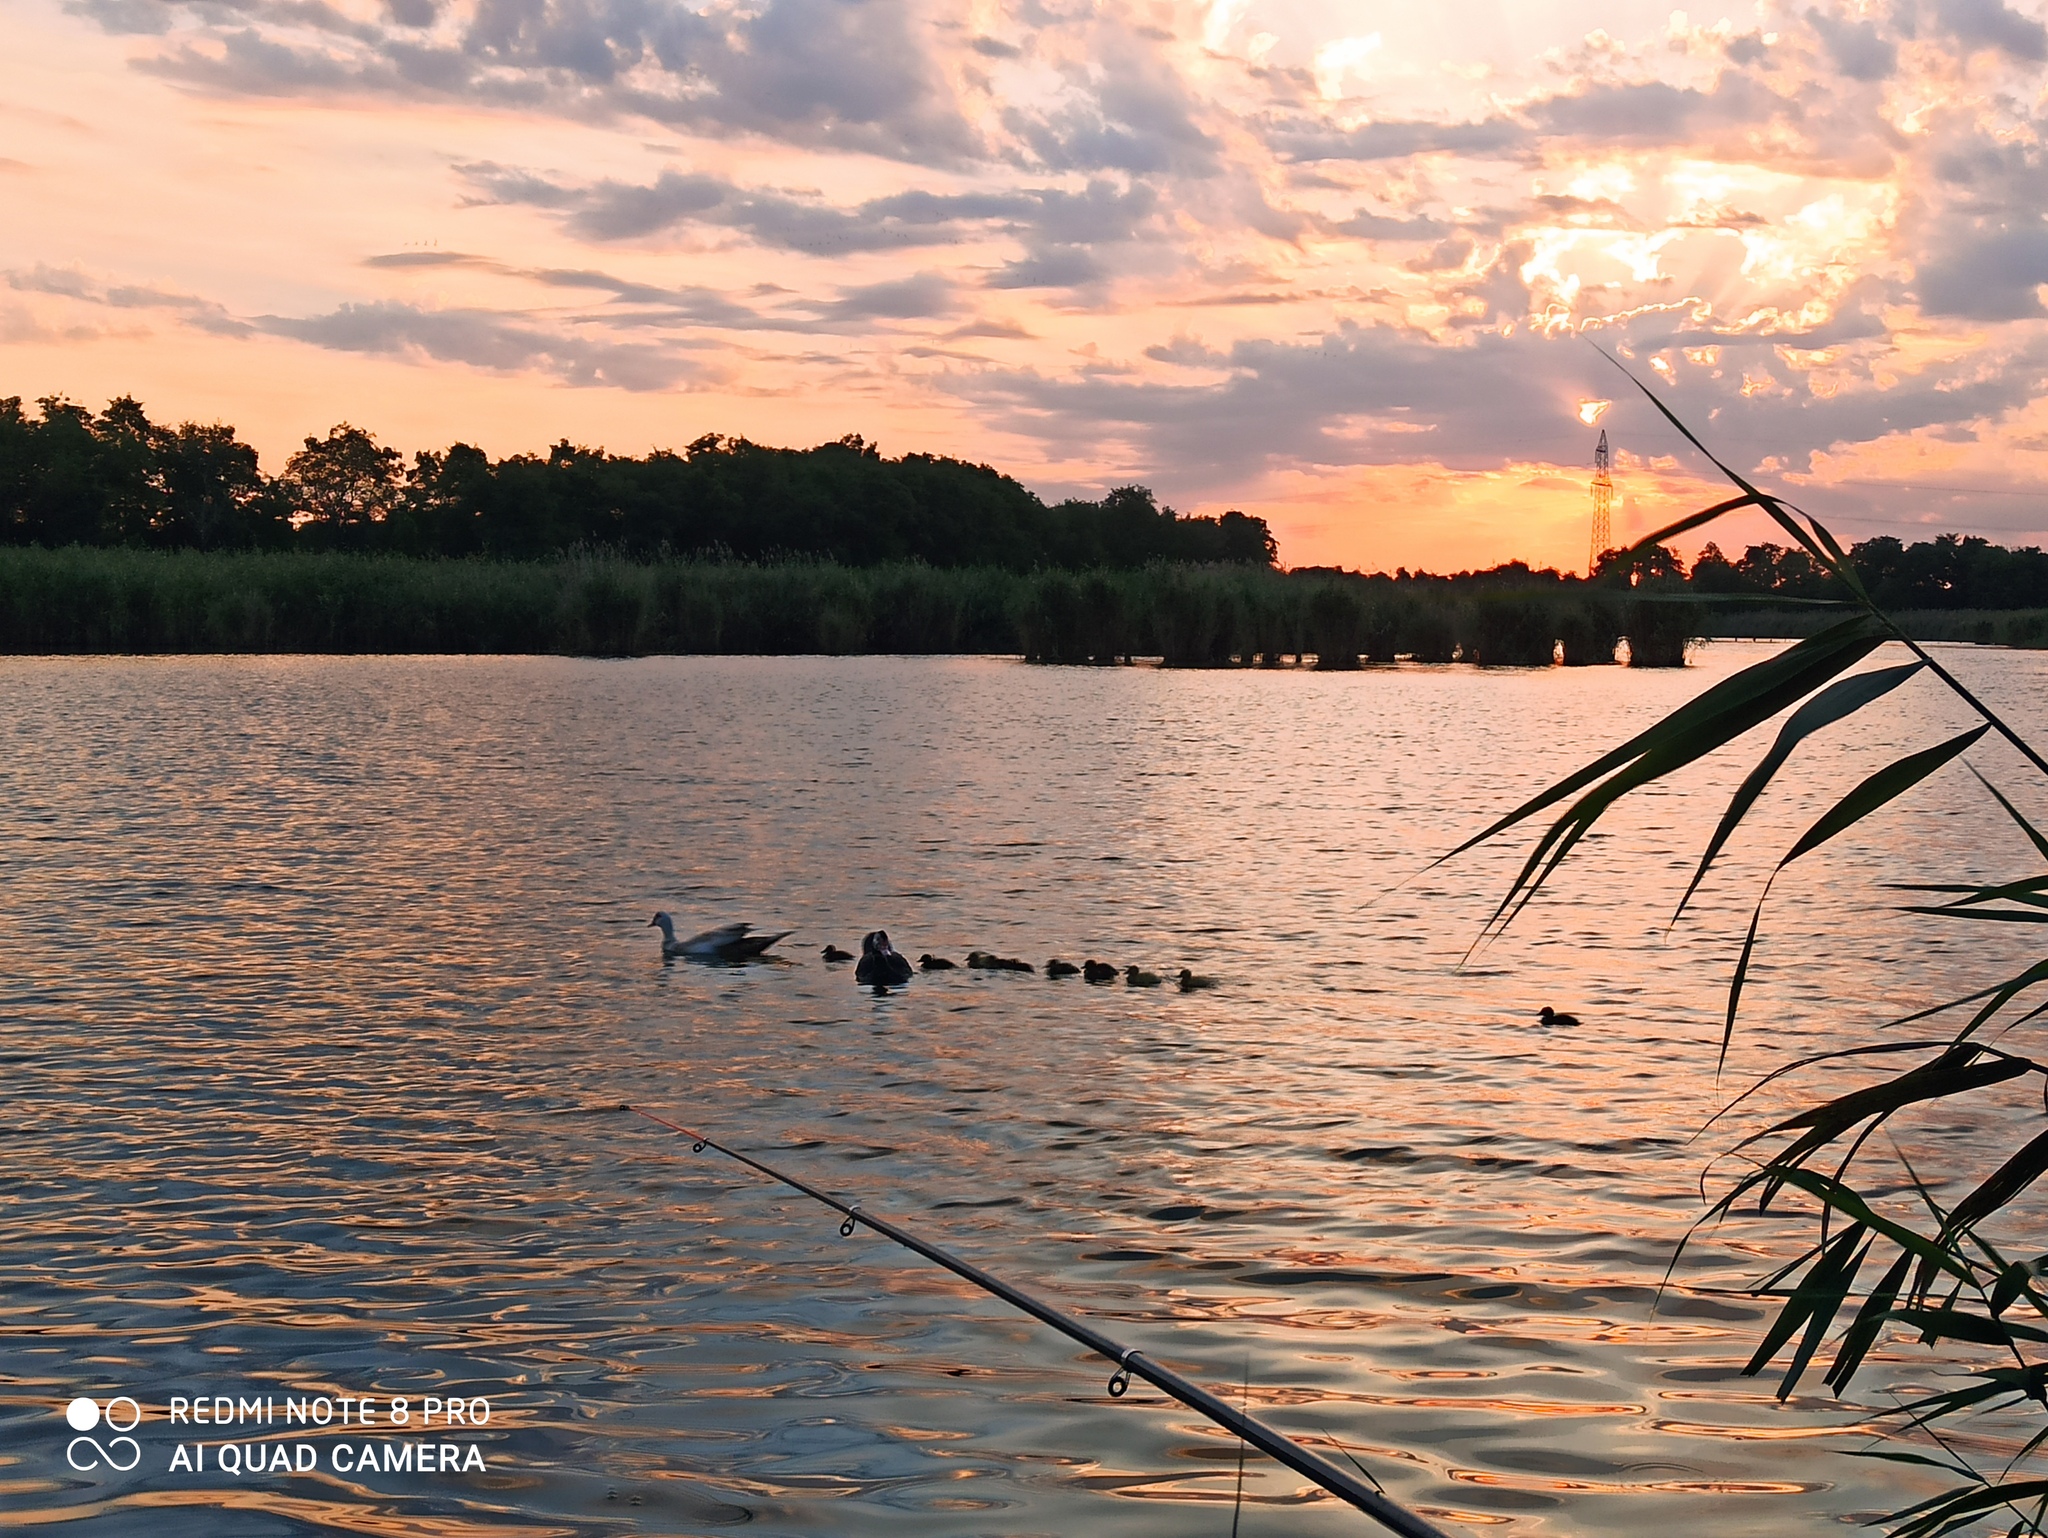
(1552, 1017)
(729, 942)
(880, 964)
(1189, 982)
(1098, 972)
(1059, 968)
(931, 963)
(988, 961)
(834, 953)
(1134, 978)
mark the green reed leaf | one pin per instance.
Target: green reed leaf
(1868, 1324)
(1998, 1190)
(1693, 521)
(2034, 835)
(1838, 700)
(1889, 783)
(1959, 1070)
(1750, 697)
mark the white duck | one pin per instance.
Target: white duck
(730, 942)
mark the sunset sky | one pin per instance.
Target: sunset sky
(1336, 262)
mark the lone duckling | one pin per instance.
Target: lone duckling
(1552, 1017)
(1097, 972)
(1059, 968)
(931, 963)
(727, 943)
(880, 965)
(1133, 978)
(834, 953)
(989, 961)
(1190, 983)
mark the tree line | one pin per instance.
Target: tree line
(1950, 571)
(69, 476)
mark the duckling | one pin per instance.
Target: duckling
(1189, 982)
(1552, 1017)
(879, 962)
(1133, 978)
(931, 963)
(1098, 972)
(1059, 968)
(834, 953)
(989, 961)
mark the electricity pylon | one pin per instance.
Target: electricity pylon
(1603, 505)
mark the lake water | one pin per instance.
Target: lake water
(325, 978)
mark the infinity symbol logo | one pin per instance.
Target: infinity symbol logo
(83, 1415)
(98, 1452)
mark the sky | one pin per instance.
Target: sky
(1364, 269)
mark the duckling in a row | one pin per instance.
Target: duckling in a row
(1059, 968)
(988, 961)
(833, 953)
(880, 965)
(930, 963)
(1097, 972)
(1134, 977)
(1190, 983)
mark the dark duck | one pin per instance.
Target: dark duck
(880, 965)
(988, 961)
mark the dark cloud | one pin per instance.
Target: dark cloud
(847, 74)
(406, 259)
(1399, 140)
(1060, 229)
(1367, 226)
(482, 339)
(920, 297)
(1991, 24)
(1052, 267)
(1001, 330)
(1857, 48)
(1991, 274)
(1383, 395)
(67, 283)
(126, 18)
(1651, 112)
(1135, 114)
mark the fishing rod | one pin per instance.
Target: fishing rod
(1130, 1362)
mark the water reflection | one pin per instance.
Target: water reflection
(327, 977)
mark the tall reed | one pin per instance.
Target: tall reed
(597, 603)
(1965, 1271)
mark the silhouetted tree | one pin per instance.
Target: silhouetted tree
(341, 487)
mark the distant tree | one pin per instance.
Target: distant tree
(442, 509)
(1247, 539)
(1656, 567)
(214, 492)
(341, 488)
(1713, 572)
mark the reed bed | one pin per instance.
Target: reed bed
(85, 599)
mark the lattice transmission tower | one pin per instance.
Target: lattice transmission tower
(1603, 505)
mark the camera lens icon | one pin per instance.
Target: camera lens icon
(82, 1414)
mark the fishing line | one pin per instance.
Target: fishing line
(1130, 1362)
